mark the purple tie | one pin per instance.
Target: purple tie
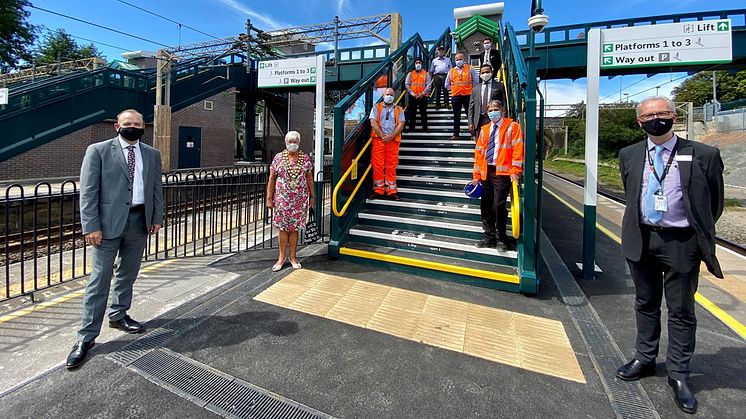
(131, 161)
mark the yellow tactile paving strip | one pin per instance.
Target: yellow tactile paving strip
(532, 343)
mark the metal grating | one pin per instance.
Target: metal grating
(216, 391)
(627, 399)
(131, 352)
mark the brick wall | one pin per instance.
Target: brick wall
(63, 156)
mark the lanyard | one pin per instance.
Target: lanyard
(668, 165)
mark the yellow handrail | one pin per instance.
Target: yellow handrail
(515, 211)
(337, 212)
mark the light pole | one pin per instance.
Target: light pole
(536, 23)
(626, 98)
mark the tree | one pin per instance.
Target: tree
(698, 88)
(617, 129)
(16, 34)
(59, 45)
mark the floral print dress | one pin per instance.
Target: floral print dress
(291, 192)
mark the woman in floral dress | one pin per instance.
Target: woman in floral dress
(289, 191)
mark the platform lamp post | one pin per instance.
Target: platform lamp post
(528, 264)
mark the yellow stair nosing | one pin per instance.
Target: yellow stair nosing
(437, 266)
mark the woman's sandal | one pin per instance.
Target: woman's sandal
(277, 267)
(296, 265)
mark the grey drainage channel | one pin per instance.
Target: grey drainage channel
(216, 391)
(628, 399)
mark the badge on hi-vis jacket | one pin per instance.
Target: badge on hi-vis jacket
(661, 203)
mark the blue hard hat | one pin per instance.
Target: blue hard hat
(473, 191)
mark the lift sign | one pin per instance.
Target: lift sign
(670, 44)
(291, 72)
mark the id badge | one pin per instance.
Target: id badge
(661, 203)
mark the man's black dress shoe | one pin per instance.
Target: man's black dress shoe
(634, 370)
(484, 243)
(683, 395)
(127, 324)
(78, 354)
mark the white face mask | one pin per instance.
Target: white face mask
(487, 46)
(485, 76)
(292, 147)
(388, 99)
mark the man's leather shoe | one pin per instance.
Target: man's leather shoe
(635, 369)
(127, 324)
(78, 354)
(393, 197)
(484, 243)
(683, 395)
(376, 195)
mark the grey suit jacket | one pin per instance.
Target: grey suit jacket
(475, 102)
(702, 188)
(106, 188)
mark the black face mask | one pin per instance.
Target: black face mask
(657, 127)
(131, 133)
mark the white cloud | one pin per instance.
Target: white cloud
(264, 19)
(340, 7)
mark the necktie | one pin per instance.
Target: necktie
(654, 186)
(491, 146)
(485, 96)
(131, 161)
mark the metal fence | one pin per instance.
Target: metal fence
(219, 211)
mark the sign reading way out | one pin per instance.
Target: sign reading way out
(670, 44)
(291, 72)
(3, 96)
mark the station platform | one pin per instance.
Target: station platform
(228, 337)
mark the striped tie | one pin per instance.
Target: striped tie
(491, 146)
(485, 97)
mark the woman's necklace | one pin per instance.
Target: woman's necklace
(293, 170)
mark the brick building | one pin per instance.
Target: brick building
(212, 119)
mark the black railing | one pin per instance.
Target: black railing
(207, 212)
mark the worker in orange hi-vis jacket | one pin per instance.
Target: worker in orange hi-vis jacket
(387, 122)
(498, 161)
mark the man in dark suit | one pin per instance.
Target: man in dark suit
(121, 202)
(490, 56)
(674, 192)
(487, 90)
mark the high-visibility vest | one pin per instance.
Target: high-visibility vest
(417, 81)
(461, 83)
(397, 109)
(509, 152)
(382, 82)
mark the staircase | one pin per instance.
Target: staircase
(433, 229)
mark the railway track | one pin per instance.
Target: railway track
(730, 245)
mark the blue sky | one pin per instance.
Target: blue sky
(223, 18)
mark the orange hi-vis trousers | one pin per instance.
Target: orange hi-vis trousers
(384, 158)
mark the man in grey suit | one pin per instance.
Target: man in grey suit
(488, 89)
(674, 192)
(121, 202)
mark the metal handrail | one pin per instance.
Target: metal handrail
(515, 211)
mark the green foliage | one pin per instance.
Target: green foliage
(698, 88)
(618, 128)
(16, 34)
(59, 45)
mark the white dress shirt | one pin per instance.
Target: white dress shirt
(138, 188)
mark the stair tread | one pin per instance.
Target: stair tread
(429, 257)
(427, 239)
(457, 169)
(471, 208)
(428, 220)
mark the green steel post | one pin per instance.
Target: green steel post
(528, 263)
(339, 135)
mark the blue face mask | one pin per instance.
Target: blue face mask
(459, 63)
(388, 99)
(418, 67)
(495, 116)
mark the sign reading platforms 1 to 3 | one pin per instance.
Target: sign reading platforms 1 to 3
(291, 72)
(670, 44)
